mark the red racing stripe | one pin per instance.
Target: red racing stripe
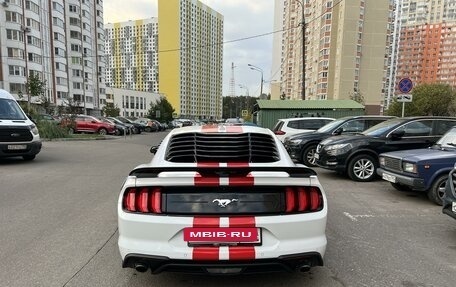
(209, 128)
(242, 252)
(207, 252)
(238, 164)
(241, 181)
(234, 129)
(207, 164)
(206, 181)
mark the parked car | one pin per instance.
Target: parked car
(87, 124)
(292, 126)
(421, 169)
(121, 129)
(46, 118)
(449, 198)
(221, 201)
(357, 154)
(19, 136)
(150, 125)
(129, 128)
(138, 126)
(302, 146)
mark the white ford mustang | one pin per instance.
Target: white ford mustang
(220, 199)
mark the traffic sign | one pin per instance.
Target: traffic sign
(405, 85)
(244, 113)
(404, 98)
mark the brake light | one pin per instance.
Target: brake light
(144, 200)
(303, 199)
(279, 132)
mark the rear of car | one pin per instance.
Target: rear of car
(221, 200)
(19, 136)
(288, 127)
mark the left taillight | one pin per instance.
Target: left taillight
(142, 200)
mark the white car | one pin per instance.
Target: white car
(287, 127)
(221, 199)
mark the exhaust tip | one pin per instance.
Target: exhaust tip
(304, 268)
(141, 267)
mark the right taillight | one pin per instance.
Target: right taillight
(303, 199)
(142, 200)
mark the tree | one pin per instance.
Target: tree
(428, 100)
(357, 96)
(110, 111)
(161, 110)
(37, 88)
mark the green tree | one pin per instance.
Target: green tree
(161, 110)
(110, 111)
(357, 96)
(36, 87)
(428, 100)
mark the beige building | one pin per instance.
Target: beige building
(347, 46)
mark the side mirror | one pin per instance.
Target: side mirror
(154, 149)
(397, 134)
(338, 131)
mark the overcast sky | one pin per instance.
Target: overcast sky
(242, 19)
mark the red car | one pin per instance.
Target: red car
(89, 124)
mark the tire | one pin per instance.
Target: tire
(28, 157)
(400, 187)
(362, 168)
(437, 189)
(307, 156)
(102, 132)
(148, 129)
(118, 133)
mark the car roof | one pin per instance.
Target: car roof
(5, 95)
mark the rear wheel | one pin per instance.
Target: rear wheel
(437, 190)
(362, 168)
(148, 129)
(308, 155)
(102, 131)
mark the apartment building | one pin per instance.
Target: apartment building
(191, 58)
(61, 41)
(427, 46)
(130, 102)
(132, 55)
(346, 50)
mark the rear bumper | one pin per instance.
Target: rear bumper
(286, 263)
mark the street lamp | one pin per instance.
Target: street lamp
(252, 67)
(303, 31)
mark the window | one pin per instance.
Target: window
(16, 71)
(417, 128)
(353, 126)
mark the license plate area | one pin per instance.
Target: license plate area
(17, 146)
(222, 236)
(389, 177)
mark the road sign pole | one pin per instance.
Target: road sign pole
(403, 108)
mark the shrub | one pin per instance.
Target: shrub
(51, 130)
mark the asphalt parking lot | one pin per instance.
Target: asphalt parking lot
(59, 227)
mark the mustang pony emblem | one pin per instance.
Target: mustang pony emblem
(224, 202)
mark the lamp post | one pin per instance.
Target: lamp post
(303, 38)
(252, 67)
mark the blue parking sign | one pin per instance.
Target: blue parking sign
(405, 85)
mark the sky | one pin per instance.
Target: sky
(242, 19)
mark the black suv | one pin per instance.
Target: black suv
(301, 147)
(357, 154)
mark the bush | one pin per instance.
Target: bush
(51, 130)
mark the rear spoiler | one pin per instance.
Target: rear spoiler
(151, 172)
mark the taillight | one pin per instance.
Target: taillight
(279, 132)
(303, 199)
(142, 200)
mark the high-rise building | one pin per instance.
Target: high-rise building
(346, 50)
(427, 42)
(61, 41)
(132, 55)
(191, 57)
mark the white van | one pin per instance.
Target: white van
(18, 134)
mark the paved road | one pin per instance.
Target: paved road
(58, 227)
